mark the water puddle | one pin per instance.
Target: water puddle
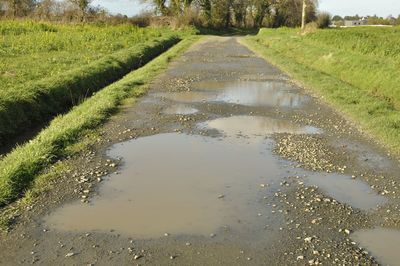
(254, 93)
(180, 109)
(248, 93)
(383, 243)
(346, 190)
(186, 96)
(252, 126)
(180, 184)
(195, 185)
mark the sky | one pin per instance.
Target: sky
(124, 7)
(335, 7)
(382, 8)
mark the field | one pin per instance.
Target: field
(47, 68)
(30, 51)
(356, 69)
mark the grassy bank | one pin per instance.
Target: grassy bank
(31, 50)
(25, 103)
(353, 69)
(19, 168)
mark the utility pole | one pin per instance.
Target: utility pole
(303, 16)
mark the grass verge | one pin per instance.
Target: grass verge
(19, 168)
(339, 77)
(39, 101)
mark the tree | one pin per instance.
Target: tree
(205, 7)
(221, 13)
(337, 18)
(44, 9)
(18, 8)
(289, 12)
(239, 8)
(260, 9)
(82, 6)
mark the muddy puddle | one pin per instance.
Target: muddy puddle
(180, 109)
(181, 185)
(199, 186)
(248, 93)
(252, 126)
(345, 189)
(384, 244)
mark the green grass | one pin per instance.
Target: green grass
(19, 168)
(31, 50)
(47, 68)
(353, 69)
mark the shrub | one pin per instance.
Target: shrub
(324, 20)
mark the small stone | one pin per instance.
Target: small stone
(300, 257)
(137, 256)
(221, 196)
(70, 255)
(308, 239)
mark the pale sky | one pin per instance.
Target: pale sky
(335, 7)
(381, 8)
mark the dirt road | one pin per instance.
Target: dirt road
(224, 162)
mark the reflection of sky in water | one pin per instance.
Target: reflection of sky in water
(173, 183)
(260, 94)
(256, 126)
(243, 92)
(180, 109)
(383, 243)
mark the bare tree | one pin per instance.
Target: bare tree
(160, 6)
(44, 9)
(82, 6)
(18, 8)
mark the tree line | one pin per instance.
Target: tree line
(237, 13)
(205, 13)
(371, 20)
(64, 10)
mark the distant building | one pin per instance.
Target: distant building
(355, 23)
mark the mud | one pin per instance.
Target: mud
(263, 173)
